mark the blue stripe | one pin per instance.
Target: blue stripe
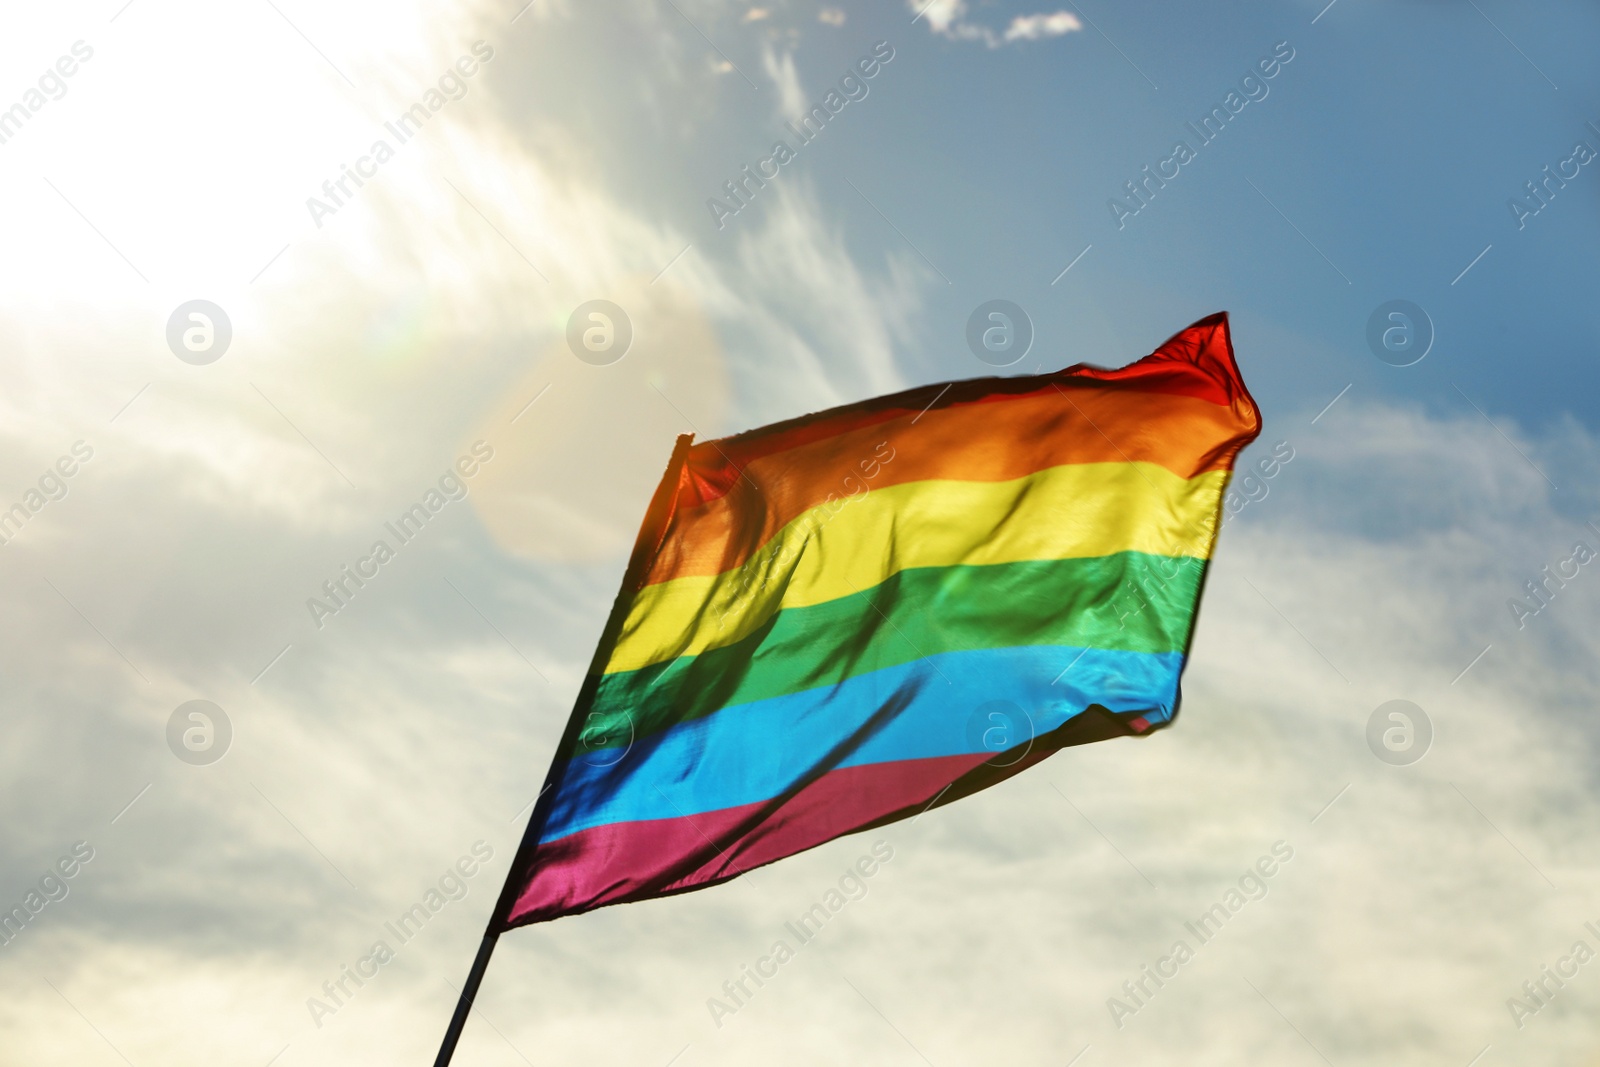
(949, 704)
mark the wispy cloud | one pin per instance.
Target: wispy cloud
(948, 18)
(781, 69)
(1037, 27)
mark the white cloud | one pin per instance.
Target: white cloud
(948, 18)
(1036, 27)
(786, 79)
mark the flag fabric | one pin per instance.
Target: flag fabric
(844, 619)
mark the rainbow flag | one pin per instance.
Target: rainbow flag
(845, 619)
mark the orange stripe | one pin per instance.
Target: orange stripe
(977, 443)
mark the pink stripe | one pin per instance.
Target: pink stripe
(627, 861)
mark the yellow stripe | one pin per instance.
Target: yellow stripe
(1073, 511)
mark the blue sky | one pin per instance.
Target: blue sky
(1392, 141)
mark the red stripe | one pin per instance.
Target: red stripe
(619, 862)
(1196, 362)
(622, 862)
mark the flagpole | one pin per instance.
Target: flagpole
(650, 534)
(469, 992)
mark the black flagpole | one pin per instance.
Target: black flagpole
(650, 533)
(464, 1005)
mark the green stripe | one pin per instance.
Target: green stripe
(1129, 601)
